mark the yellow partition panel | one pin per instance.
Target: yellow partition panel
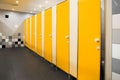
(33, 34)
(63, 36)
(25, 31)
(39, 34)
(28, 34)
(48, 35)
(89, 40)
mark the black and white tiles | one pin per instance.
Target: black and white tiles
(11, 41)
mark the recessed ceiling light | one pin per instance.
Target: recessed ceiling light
(46, 1)
(13, 9)
(40, 6)
(34, 9)
(16, 26)
(17, 1)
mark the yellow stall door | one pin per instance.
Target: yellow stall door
(25, 32)
(48, 35)
(39, 34)
(33, 34)
(28, 34)
(89, 40)
(63, 36)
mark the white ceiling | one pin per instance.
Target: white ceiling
(29, 6)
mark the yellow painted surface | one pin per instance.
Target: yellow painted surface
(62, 33)
(89, 29)
(33, 34)
(39, 34)
(25, 32)
(48, 35)
(28, 36)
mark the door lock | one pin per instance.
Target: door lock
(98, 47)
(50, 35)
(97, 40)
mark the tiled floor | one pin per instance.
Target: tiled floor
(22, 64)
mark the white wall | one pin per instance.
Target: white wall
(13, 24)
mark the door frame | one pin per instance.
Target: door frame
(108, 39)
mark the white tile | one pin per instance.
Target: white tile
(116, 23)
(0, 34)
(3, 37)
(16, 39)
(0, 46)
(116, 51)
(16, 45)
(22, 45)
(115, 76)
(7, 40)
(19, 42)
(10, 43)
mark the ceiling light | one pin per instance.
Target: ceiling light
(16, 26)
(34, 9)
(17, 1)
(46, 1)
(40, 6)
(13, 9)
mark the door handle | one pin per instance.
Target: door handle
(67, 37)
(50, 35)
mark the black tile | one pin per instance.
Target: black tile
(16, 42)
(3, 40)
(19, 39)
(3, 46)
(10, 37)
(21, 42)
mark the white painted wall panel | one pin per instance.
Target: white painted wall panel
(26, 30)
(35, 32)
(116, 21)
(43, 34)
(54, 35)
(73, 37)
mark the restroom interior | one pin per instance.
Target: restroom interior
(57, 40)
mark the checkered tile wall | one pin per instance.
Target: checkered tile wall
(11, 41)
